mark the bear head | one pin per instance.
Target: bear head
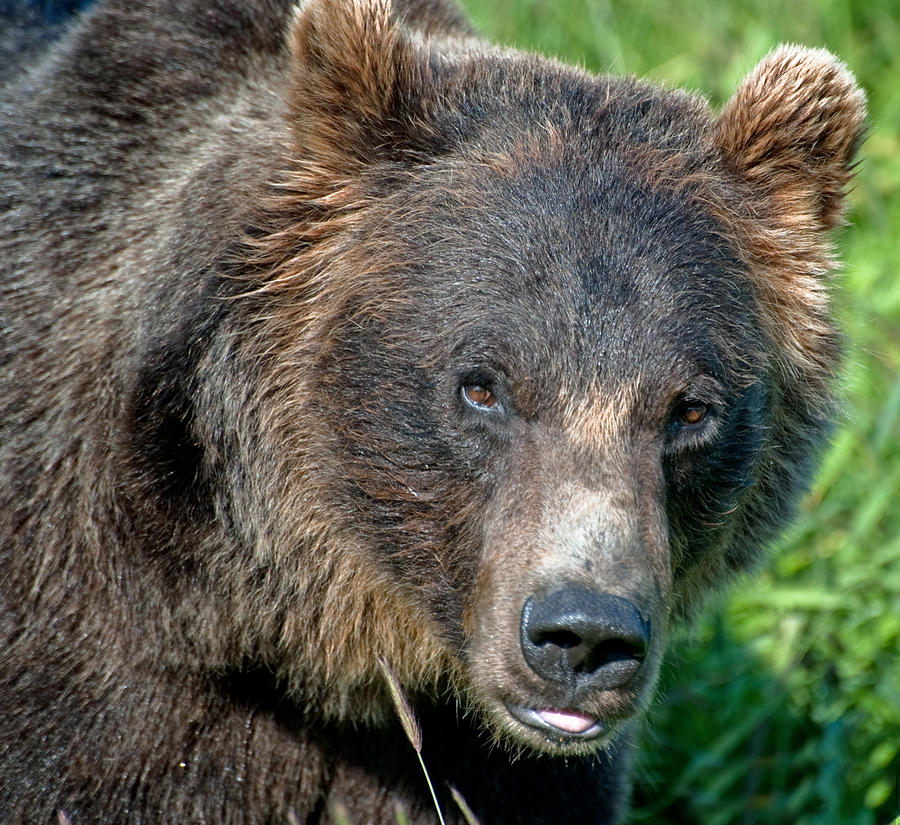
(539, 358)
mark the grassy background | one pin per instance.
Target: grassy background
(783, 705)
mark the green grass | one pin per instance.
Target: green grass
(783, 704)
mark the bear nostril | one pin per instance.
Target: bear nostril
(560, 638)
(597, 639)
(585, 655)
(609, 652)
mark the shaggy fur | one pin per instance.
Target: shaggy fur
(332, 334)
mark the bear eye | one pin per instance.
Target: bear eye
(691, 413)
(692, 425)
(478, 396)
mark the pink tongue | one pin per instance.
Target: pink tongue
(567, 721)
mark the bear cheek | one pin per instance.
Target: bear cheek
(567, 649)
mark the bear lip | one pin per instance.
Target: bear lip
(559, 722)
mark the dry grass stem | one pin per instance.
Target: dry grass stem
(403, 708)
(464, 807)
(410, 725)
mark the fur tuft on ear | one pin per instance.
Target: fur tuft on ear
(350, 60)
(792, 129)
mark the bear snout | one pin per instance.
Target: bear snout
(585, 639)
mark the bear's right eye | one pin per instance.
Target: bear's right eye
(478, 396)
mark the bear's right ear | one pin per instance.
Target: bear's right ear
(791, 131)
(355, 68)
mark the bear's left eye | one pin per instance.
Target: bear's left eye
(478, 396)
(691, 413)
(692, 424)
(691, 419)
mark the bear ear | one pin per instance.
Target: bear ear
(792, 129)
(352, 59)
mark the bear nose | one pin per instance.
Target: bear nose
(583, 637)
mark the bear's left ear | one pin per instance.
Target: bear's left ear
(792, 130)
(356, 68)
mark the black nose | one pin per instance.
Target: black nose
(580, 636)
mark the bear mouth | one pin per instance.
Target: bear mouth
(566, 724)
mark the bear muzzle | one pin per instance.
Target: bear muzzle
(580, 642)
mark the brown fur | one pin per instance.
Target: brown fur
(795, 158)
(246, 245)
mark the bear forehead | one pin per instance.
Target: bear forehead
(511, 103)
(578, 260)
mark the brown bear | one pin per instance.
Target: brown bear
(333, 335)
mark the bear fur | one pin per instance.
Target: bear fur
(339, 342)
